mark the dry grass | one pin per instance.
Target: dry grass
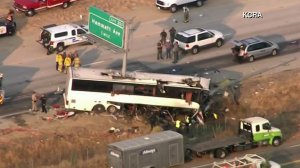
(69, 146)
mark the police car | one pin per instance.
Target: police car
(7, 28)
(58, 37)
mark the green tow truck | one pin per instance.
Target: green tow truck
(168, 148)
(253, 132)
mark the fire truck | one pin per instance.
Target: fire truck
(1, 90)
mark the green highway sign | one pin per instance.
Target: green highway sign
(106, 27)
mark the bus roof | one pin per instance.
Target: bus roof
(141, 78)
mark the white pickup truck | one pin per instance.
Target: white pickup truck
(174, 5)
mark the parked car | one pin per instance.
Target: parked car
(57, 37)
(30, 7)
(174, 5)
(7, 28)
(253, 48)
(194, 39)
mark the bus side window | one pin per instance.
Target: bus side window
(139, 90)
(153, 91)
(123, 89)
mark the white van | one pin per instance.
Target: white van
(55, 37)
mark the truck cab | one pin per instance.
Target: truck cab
(30, 7)
(260, 131)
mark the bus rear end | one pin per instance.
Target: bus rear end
(67, 89)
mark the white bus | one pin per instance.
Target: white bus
(99, 90)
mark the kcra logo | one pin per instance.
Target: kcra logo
(252, 15)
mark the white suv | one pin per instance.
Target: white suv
(55, 37)
(174, 4)
(194, 39)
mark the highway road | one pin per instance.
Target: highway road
(26, 67)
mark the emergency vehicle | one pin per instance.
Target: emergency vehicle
(58, 37)
(30, 7)
(7, 28)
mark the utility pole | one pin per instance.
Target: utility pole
(126, 45)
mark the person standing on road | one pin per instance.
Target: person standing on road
(43, 103)
(57, 58)
(175, 52)
(67, 63)
(34, 102)
(172, 32)
(186, 14)
(76, 62)
(10, 16)
(168, 49)
(159, 50)
(60, 63)
(163, 36)
(72, 56)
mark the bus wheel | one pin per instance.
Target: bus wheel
(112, 109)
(220, 153)
(98, 108)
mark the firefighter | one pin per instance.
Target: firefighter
(187, 123)
(76, 62)
(177, 125)
(57, 58)
(60, 63)
(67, 63)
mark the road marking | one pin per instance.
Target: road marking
(99, 62)
(293, 146)
(288, 163)
(229, 34)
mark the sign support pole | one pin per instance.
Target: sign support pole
(126, 45)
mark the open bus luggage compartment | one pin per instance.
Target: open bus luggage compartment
(147, 151)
